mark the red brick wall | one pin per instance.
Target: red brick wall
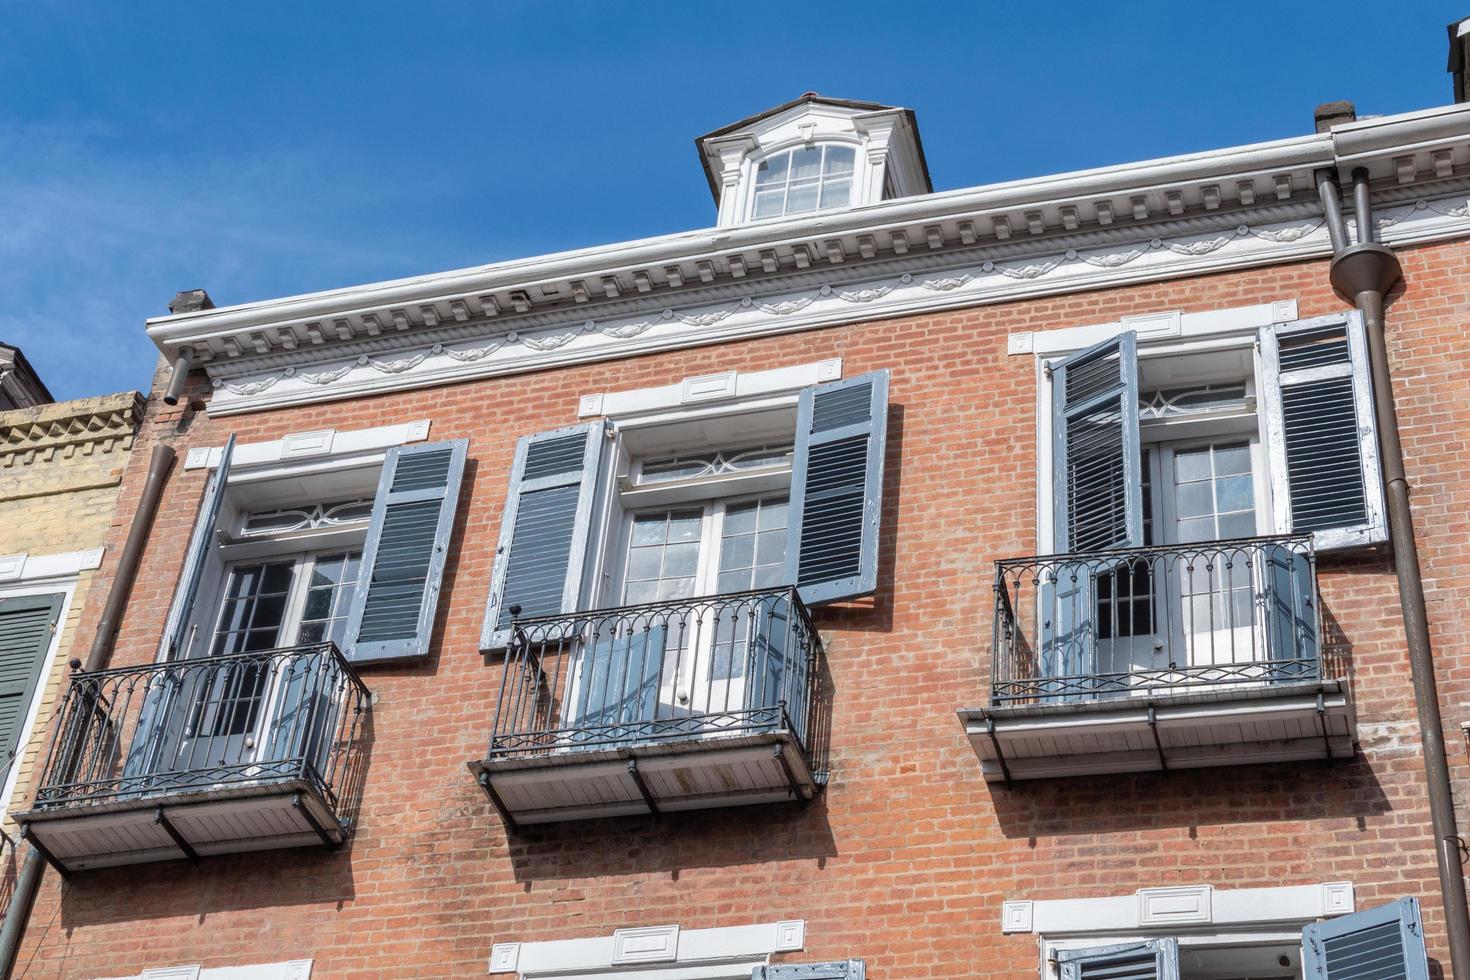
(906, 859)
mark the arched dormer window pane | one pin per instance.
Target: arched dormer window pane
(804, 179)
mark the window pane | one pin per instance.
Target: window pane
(644, 563)
(681, 560)
(772, 548)
(740, 519)
(1234, 493)
(806, 162)
(1192, 465)
(738, 551)
(835, 193)
(803, 198)
(648, 529)
(1194, 500)
(772, 170)
(839, 160)
(685, 525)
(1231, 460)
(768, 203)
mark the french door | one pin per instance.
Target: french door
(692, 653)
(225, 715)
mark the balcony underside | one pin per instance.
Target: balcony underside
(689, 774)
(1225, 726)
(192, 823)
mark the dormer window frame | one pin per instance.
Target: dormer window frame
(863, 175)
(888, 159)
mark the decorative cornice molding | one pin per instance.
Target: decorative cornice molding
(64, 429)
(1090, 260)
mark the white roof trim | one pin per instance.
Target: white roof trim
(651, 953)
(26, 567)
(1178, 906)
(311, 445)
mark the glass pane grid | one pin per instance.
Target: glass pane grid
(804, 179)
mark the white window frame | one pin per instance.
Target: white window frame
(1197, 915)
(863, 175)
(289, 970)
(1171, 333)
(639, 414)
(665, 952)
(326, 458)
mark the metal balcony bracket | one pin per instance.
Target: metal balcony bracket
(1153, 727)
(1322, 724)
(1000, 756)
(41, 849)
(648, 800)
(161, 818)
(791, 781)
(313, 822)
(497, 802)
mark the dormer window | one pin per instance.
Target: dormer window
(808, 178)
(813, 154)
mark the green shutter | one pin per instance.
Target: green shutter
(392, 612)
(837, 488)
(27, 626)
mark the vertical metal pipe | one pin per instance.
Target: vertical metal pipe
(1332, 209)
(1363, 274)
(182, 365)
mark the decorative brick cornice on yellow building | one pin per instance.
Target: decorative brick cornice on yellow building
(65, 429)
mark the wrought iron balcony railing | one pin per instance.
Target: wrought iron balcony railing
(1113, 624)
(208, 724)
(680, 670)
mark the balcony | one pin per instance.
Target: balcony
(676, 705)
(1159, 658)
(206, 756)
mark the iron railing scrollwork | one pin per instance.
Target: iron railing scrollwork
(674, 670)
(1111, 624)
(207, 723)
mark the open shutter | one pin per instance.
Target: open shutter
(1096, 465)
(1291, 612)
(841, 970)
(1317, 396)
(837, 488)
(544, 528)
(201, 543)
(1386, 943)
(27, 626)
(403, 559)
(1156, 959)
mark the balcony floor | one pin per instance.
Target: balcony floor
(222, 819)
(1220, 725)
(688, 774)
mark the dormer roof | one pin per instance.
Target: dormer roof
(884, 140)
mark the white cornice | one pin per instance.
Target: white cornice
(1168, 200)
(1191, 246)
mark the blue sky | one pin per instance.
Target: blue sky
(260, 149)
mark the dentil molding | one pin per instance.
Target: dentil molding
(1190, 246)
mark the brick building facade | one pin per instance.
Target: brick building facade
(418, 675)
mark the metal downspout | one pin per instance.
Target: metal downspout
(28, 881)
(1363, 274)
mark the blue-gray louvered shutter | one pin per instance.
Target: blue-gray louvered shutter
(1156, 959)
(27, 626)
(837, 488)
(1291, 611)
(1096, 465)
(1321, 432)
(200, 543)
(1386, 943)
(544, 528)
(840, 970)
(392, 613)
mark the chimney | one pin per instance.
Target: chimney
(1459, 42)
(1330, 114)
(190, 301)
